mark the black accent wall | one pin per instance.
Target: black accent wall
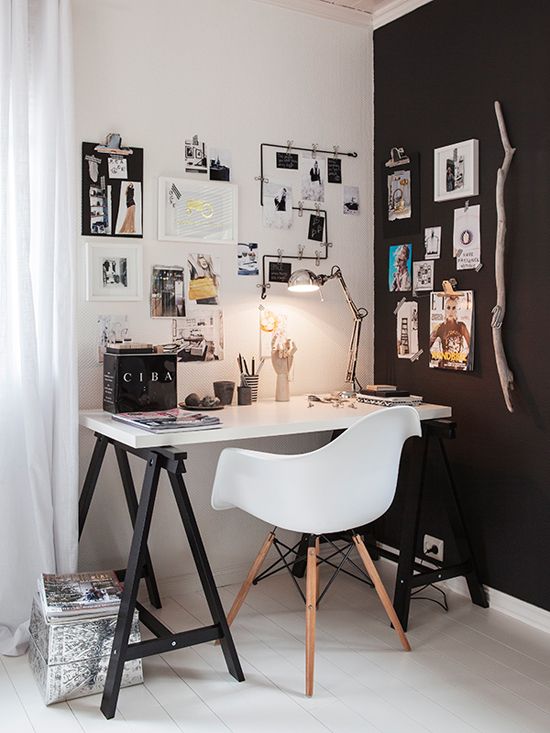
(438, 71)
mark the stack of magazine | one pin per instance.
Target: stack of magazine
(79, 595)
(165, 420)
(387, 395)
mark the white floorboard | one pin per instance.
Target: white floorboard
(470, 671)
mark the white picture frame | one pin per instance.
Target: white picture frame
(114, 271)
(197, 211)
(456, 171)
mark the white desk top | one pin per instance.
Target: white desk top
(262, 419)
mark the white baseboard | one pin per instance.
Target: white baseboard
(533, 616)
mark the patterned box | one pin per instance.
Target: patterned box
(70, 658)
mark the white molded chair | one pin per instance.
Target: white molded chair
(345, 484)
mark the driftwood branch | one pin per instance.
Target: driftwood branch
(504, 372)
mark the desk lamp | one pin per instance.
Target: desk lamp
(306, 281)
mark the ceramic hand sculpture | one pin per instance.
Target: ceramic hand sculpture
(282, 356)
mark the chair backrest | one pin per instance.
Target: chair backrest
(346, 483)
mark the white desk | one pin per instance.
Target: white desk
(262, 419)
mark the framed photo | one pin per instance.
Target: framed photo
(456, 171)
(114, 271)
(401, 197)
(197, 211)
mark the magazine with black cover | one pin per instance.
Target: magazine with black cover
(80, 594)
(168, 420)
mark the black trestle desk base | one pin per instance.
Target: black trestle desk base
(139, 565)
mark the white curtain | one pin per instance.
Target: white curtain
(38, 376)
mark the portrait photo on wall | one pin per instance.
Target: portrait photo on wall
(200, 336)
(399, 268)
(401, 196)
(456, 170)
(351, 200)
(451, 331)
(195, 156)
(167, 292)
(112, 183)
(277, 208)
(313, 178)
(203, 281)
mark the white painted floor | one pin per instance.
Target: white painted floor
(470, 670)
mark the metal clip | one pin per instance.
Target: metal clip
(318, 208)
(459, 252)
(314, 147)
(328, 244)
(466, 205)
(416, 356)
(263, 179)
(398, 306)
(289, 146)
(317, 258)
(300, 208)
(336, 148)
(479, 266)
(280, 255)
(301, 248)
(449, 286)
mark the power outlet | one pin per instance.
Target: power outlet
(433, 547)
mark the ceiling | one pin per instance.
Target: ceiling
(362, 12)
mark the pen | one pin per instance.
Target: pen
(245, 366)
(253, 366)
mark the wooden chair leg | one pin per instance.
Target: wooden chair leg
(382, 593)
(254, 570)
(311, 610)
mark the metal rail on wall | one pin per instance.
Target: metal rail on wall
(300, 208)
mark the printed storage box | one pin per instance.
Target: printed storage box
(69, 658)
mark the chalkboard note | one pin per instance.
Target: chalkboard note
(288, 161)
(316, 228)
(334, 170)
(279, 272)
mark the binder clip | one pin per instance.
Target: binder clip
(336, 148)
(301, 248)
(314, 147)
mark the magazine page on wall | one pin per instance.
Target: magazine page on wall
(112, 190)
(452, 331)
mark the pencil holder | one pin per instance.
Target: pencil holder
(252, 380)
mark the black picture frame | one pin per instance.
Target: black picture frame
(411, 225)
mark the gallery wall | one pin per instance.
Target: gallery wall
(237, 74)
(438, 71)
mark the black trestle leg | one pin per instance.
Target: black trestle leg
(136, 560)
(132, 502)
(205, 574)
(91, 480)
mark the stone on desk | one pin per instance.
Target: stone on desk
(69, 658)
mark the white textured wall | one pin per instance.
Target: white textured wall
(237, 73)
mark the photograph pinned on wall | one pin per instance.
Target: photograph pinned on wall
(247, 259)
(197, 211)
(407, 330)
(423, 275)
(334, 170)
(273, 324)
(220, 165)
(118, 167)
(287, 160)
(432, 243)
(451, 331)
(313, 179)
(316, 229)
(351, 200)
(399, 195)
(203, 281)
(129, 210)
(112, 329)
(112, 190)
(467, 237)
(456, 170)
(399, 268)
(113, 271)
(167, 291)
(277, 208)
(201, 337)
(195, 156)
